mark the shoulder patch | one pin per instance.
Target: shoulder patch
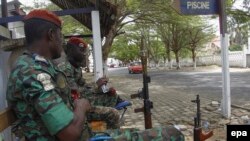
(61, 80)
(45, 79)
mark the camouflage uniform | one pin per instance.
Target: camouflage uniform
(168, 133)
(39, 95)
(102, 102)
(76, 80)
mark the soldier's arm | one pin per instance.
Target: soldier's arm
(74, 130)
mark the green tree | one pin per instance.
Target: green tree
(198, 34)
(238, 23)
(164, 32)
(129, 11)
(125, 50)
(152, 43)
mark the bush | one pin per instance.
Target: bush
(235, 47)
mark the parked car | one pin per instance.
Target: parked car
(135, 67)
(111, 65)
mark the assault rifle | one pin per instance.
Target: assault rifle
(198, 134)
(144, 94)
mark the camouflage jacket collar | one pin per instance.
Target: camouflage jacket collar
(37, 57)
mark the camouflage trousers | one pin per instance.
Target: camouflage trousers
(103, 110)
(168, 133)
(109, 115)
(98, 98)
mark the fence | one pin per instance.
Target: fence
(236, 59)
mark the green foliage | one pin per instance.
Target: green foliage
(164, 29)
(239, 22)
(235, 47)
(125, 50)
(156, 50)
(185, 53)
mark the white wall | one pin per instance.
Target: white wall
(4, 72)
(17, 29)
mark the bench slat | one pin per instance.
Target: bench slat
(7, 117)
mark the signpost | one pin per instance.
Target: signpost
(207, 7)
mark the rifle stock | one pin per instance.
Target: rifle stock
(205, 136)
(200, 136)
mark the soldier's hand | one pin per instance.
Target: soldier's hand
(102, 81)
(83, 104)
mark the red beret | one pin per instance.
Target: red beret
(78, 42)
(44, 15)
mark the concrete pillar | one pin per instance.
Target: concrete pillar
(226, 91)
(98, 64)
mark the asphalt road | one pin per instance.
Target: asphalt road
(207, 84)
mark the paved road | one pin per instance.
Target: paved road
(207, 84)
(172, 92)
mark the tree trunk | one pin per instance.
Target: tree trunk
(110, 37)
(105, 68)
(169, 60)
(107, 46)
(177, 60)
(168, 56)
(157, 63)
(108, 43)
(194, 58)
(164, 61)
(170, 64)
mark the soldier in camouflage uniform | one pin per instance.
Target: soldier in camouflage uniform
(37, 91)
(168, 133)
(155, 134)
(76, 50)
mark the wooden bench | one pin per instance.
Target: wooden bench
(7, 118)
